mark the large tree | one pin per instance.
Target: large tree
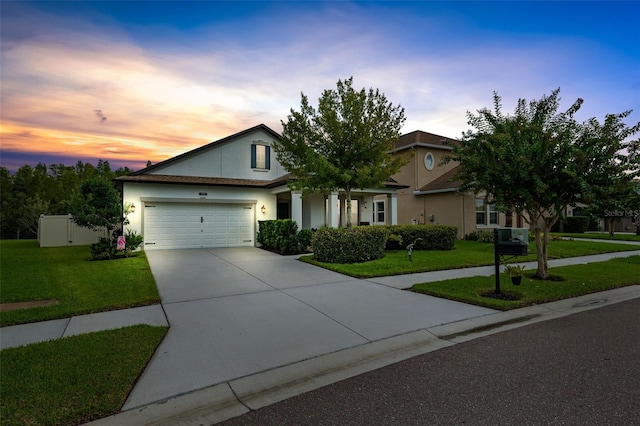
(345, 144)
(613, 184)
(538, 160)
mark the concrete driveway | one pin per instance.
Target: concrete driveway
(235, 312)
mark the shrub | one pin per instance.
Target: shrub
(481, 236)
(105, 248)
(394, 242)
(576, 224)
(432, 237)
(280, 235)
(304, 239)
(133, 241)
(349, 245)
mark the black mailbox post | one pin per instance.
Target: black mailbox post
(511, 242)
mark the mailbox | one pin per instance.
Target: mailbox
(513, 241)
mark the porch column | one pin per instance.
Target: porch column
(296, 207)
(334, 209)
(393, 209)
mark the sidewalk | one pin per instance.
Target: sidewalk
(24, 334)
(237, 397)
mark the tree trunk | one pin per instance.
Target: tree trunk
(541, 250)
(611, 223)
(542, 228)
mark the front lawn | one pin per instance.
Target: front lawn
(600, 236)
(578, 280)
(464, 255)
(74, 380)
(66, 274)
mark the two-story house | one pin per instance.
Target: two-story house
(432, 195)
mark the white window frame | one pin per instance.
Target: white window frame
(379, 213)
(490, 215)
(433, 161)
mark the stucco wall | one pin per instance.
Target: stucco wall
(229, 160)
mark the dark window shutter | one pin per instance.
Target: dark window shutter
(253, 156)
(267, 157)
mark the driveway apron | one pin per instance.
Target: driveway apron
(239, 311)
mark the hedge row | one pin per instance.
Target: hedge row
(349, 245)
(426, 237)
(282, 236)
(573, 224)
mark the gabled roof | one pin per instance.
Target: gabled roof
(206, 147)
(444, 183)
(420, 138)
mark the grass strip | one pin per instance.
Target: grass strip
(76, 379)
(600, 236)
(465, 254)
(67, 274)
(577, 280)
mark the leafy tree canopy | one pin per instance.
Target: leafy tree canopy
(539, 160)
(344, 144)
(96, 205)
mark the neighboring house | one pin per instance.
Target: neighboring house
(432, 195)
(214, 196)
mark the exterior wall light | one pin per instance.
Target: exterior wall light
(132, 208)
(263, 209)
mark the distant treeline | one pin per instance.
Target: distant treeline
(33, 191)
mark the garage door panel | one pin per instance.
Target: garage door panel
(182, 225)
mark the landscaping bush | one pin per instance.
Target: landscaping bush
(481, 236)
(304, 239)
(394, 242)
(133, 241)
(433, 237)
(105, 248)
(280, 235)
(349, 245)
(576, 224)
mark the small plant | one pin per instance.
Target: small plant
(514, 270)
(105, 248)
(133, 240)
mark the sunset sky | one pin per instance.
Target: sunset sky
(129, 82)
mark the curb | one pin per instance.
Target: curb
(239, 396)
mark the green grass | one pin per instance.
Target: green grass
(66, 274)
(578, 280)
(465, 254)
(76, 379)
(600, 236)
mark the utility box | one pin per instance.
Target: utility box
(511, 241)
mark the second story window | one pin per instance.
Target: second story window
(260, 157)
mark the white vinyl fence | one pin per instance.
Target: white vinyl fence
(59, 230)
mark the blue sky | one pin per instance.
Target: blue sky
(167, 77)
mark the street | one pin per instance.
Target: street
(579, 369)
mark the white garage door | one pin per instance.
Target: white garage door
(184, 225)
